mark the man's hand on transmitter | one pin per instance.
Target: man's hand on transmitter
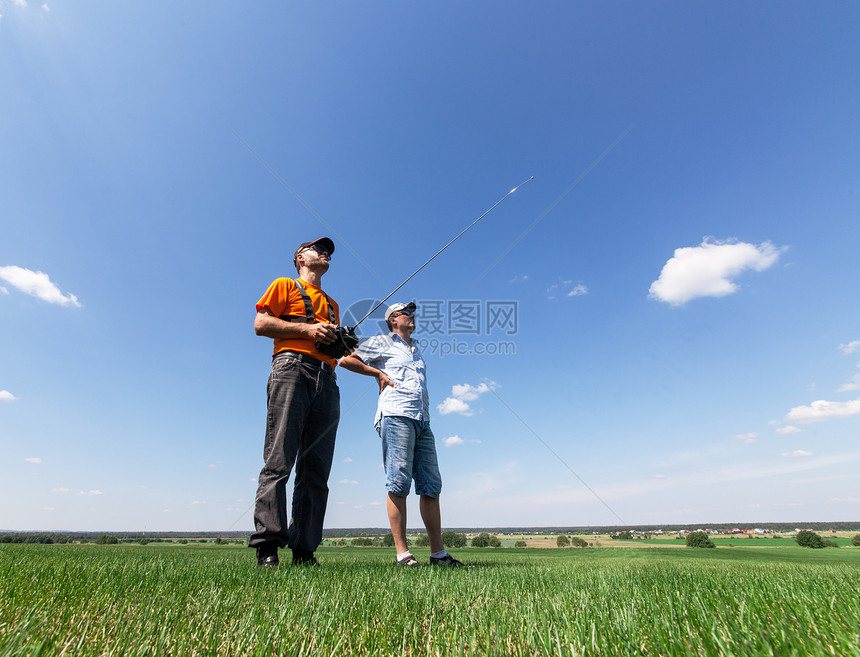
(325, 333)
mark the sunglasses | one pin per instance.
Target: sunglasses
(319, 249)
(408, 313)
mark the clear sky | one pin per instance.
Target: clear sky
(662, 327)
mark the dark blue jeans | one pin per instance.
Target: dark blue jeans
(301, 424)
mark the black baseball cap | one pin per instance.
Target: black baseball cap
(324, 242)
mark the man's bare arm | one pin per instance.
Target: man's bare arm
(269, 326)
(354, 364)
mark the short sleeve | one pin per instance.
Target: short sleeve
(277, 297)
(370, 350)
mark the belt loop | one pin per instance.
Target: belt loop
(304, 358)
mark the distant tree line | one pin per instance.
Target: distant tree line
(32, 538)
(627, 535)
(563, 540)
(451, 538)
(485, 539)
(105, 539)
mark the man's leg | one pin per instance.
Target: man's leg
(432, 518)
(287, 406)
(397, 520)
(313, 465)
(428, 484)
(398, 441)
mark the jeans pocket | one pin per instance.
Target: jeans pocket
(283, 368)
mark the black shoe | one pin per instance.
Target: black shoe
(448, 561)
(304, 559)
(267, 555)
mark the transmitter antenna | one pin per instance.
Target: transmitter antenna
(460, 234)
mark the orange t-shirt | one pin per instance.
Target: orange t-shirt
(283, 298)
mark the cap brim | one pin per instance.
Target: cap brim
(402, 306)
(324, 242)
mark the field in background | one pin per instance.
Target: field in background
(213, 600)
(603, 540)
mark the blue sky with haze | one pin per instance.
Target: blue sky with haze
(661, 327)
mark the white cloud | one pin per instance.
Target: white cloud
(747, 438)
(505, 495)
(707, 270)
(347, 481)
(454, 405)
(821, 411)
(33, 459)
(347, 460)
(850, 348)
(59, 490)
(796, 454)
(567, 288)
(46, 9)
(467, 392)
(37, 284)
(462, 393)
(453, 440)
(788, 429)
(853, 384)
(5, 395)
(3, 290)
(91, 492)
(20, 3)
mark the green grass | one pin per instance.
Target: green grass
(754, 542)
(194, 600)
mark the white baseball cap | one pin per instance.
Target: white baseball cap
(397, 307)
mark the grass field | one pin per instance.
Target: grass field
(212, 600)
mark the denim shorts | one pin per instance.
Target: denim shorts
(409, 452)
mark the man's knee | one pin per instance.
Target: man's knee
(399, 489)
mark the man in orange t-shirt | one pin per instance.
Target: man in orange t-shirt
(303, 409)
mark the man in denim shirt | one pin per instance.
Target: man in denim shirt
(403, 422)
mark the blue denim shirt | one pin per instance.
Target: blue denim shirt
(405, 367)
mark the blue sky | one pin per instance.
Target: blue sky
(661, 327)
